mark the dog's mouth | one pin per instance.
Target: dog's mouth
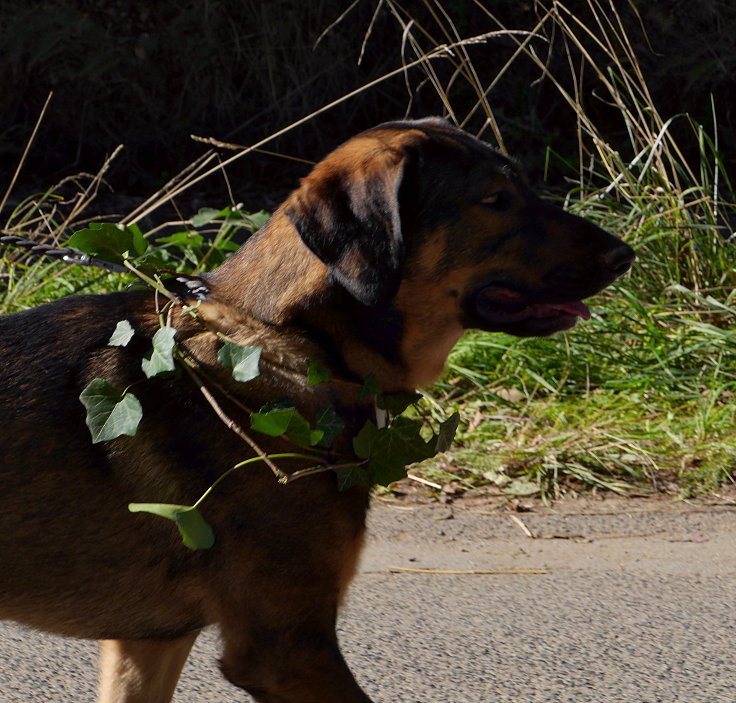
(504, 309)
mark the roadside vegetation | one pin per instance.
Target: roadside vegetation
(641, 398)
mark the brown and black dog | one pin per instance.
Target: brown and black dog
(398, 241)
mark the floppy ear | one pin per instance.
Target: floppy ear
(347, 212)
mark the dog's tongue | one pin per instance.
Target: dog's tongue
(577, 308)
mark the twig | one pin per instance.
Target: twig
(523, 527)
(193, 360)
(419, 479)
(281, 475)
(319, 470)
(234, 426)
(470, 572)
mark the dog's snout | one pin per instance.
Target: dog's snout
(619, 259)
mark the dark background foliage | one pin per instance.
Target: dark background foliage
(148, 75)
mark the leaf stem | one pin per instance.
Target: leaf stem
(252, 460)
(319, 470)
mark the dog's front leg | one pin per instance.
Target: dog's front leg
(142, 671)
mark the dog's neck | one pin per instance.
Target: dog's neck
(275, 278)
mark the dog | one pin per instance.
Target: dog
(396, 243)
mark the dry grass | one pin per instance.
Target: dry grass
(642, 394)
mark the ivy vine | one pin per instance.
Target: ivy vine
(381, 453)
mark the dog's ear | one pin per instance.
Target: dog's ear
(347, 212)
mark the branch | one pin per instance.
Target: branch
(234, 426)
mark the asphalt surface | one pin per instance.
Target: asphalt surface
(637, 604)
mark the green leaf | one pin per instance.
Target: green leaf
(288, 422)
(206, 215)
(349, 476)
(272, 423)
(443, 439)
(252, 221)
(183, 239)
(364, 440)
(390, 449)
(369, 388)
(403, 438)
(195, 532)
(110, 413)
(109, 241)
(135, 230)
(256, 220)
(396, 403)
(383, 467)
(122, 335)
(317, 372)
(242, 360)
(300, 432)
(160, 359)
(330, 423)
(150, 263)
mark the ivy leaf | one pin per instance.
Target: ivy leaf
(122, 335)
(402, 438)
(443, 439)
(242, 360)
(109, 241)
(384, 467)
(369, 388)
(330, 423)
(160, 359)
(349, 476)
(288, 422)
(390, 449)
(195, 532)
(317, 372)
(364, 440)
(396, 403)
(271, 422)
(110, 413)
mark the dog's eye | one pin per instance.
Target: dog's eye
(497, 201)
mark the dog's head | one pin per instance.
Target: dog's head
(424, 209)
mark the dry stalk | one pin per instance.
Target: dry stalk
(470, 572)
(24, 155)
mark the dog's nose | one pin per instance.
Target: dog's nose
(619, 259)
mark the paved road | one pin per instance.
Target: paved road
(637, 605)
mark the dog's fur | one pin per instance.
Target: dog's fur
(399, 240)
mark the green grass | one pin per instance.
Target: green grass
(641, 397)
(589, 410)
